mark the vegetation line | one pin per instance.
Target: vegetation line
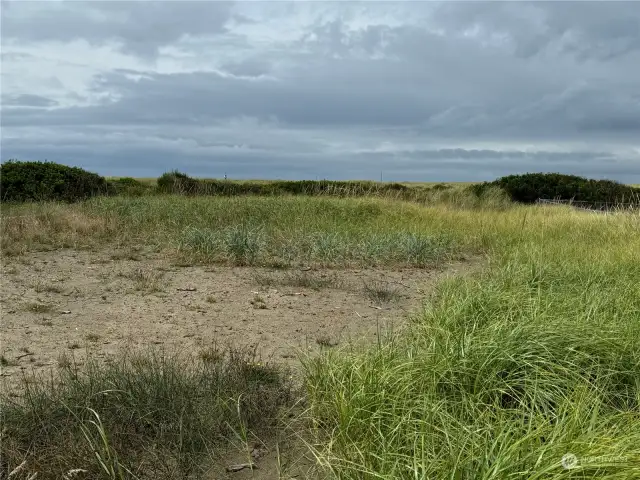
(527, 369)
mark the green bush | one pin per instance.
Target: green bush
(176, 182)
(43, 181)
(129, 186)
(530, 187)
(179, 183)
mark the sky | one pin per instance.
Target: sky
(406, 90)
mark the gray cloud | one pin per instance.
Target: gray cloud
(27, 100)
(601, 30)
(443, 91)
(140, 27)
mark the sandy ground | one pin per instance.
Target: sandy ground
(63, 304)
(74, 303)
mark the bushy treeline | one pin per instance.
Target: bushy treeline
(39, 181)
(44, 181)
(530, 187)
(179, 183)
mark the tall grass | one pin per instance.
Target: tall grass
(239, 230)
(504, 373)
(147, 415)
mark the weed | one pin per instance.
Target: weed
(211, 299)
(200, 241)
(421, 250)
(38, 307)
(64, 362)
(326, 341)
(259, 302)
(380, 292)
(92, 337)
(329, 247)
(298, 279)
(278, 231)
(530, 359)
(42, 286)
(146, 279)
(211, 355)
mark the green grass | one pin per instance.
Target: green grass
(504, 372)
(150, 415)
(240, 230)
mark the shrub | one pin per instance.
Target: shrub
(179, 183)
(42, 181)
(528, 188)
(176, 182)
(128, 186)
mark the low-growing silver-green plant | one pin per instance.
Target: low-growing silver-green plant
(244, 243)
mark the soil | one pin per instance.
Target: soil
(78, 303)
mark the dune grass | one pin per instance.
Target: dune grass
(238, 230)
(148, 415)
(506, 372)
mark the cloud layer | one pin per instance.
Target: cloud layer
(418, 91)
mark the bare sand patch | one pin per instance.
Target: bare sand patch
(70, 304)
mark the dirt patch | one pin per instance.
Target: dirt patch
(62, 306)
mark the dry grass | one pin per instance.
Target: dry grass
(146, 280)
(381, 292)
(298, 279)
(259, 302)
(41, 286)
(39, 307)
(326, 341)
(282, 231)
(53, 226)
(92, 337)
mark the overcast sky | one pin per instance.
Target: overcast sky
(417, 90)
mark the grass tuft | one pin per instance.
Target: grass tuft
(164, 416)
(381, 292)
(38, 307)
(145, 279)
(297, 279)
